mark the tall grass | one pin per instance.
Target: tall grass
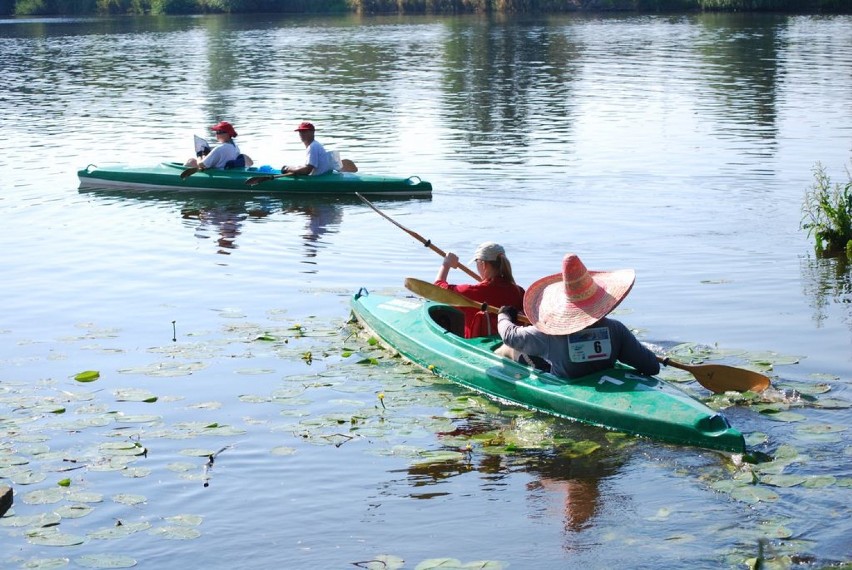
(827, 213)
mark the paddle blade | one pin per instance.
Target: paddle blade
(719, 378)
(188, 172)
(439, 294)
(255, 180)
(348, 166)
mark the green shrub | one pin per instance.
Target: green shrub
(827, 213)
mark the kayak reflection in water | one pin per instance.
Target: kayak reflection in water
(569, 328)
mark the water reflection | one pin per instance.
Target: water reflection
(570, 480)
(320, 219)
(828, 281)
(224, 221)
(223, 217)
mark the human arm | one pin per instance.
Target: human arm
(304, 170)
(451, 260)
(634, 353)
(528, 339)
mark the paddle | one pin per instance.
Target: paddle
(421, 239)
(189, 172)
(255, 180)
(448, 297)
(717, 378)
(348, 166)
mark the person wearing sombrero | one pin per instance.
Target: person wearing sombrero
(569, 327)
(317, 159)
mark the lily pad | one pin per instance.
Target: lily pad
(185, 520)
(782, 480)
(74, 511)
(754, 494)
(85, 497)
(175, 532)
(53, 537)
(87, 376)
(383, 562)
(44, 496)
(127, 499)
(105, 561)
(120, 530)
(45, 563)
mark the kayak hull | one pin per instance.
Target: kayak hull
(166, 177)
(618, 399)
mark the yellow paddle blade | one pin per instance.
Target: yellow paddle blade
(719, 378)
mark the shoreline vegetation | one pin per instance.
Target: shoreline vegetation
(168, 7)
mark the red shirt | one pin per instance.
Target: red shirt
(494, 292)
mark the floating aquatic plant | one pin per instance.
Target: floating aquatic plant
(87, 376)
(827, 213)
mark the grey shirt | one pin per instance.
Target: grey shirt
(593, 349)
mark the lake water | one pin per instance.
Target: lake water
(680, 146)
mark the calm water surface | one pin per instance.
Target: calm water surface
(678, 146)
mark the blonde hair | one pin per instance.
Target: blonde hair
(502, 267)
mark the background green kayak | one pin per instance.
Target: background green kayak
(618, 398)
(166, 176)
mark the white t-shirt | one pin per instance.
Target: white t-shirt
(220, 155)
(319, 158)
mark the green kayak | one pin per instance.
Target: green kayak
(166, 176)
(427, 333)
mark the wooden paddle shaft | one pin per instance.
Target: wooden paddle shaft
(418, 237)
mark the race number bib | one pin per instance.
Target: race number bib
(589, 345)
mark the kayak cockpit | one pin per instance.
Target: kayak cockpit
(448, 318)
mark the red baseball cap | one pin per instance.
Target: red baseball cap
(305, 126)
(226, 127)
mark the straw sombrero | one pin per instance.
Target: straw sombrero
(568, 302)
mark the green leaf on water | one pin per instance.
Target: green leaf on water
(786, 417)
(782, 480)
(185, 520)
(126, 499)
(52, 537)
(87, 376)
(819, 481)
(45, 563)
(73, 511)
(105, 561)
(64, 482)
(754, 494)
(577, 449)
(175, 532)
(85, 497)
(383, 562)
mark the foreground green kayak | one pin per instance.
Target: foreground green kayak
(166, 176)
(618, 399)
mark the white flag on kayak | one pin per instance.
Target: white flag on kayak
(202, 148)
